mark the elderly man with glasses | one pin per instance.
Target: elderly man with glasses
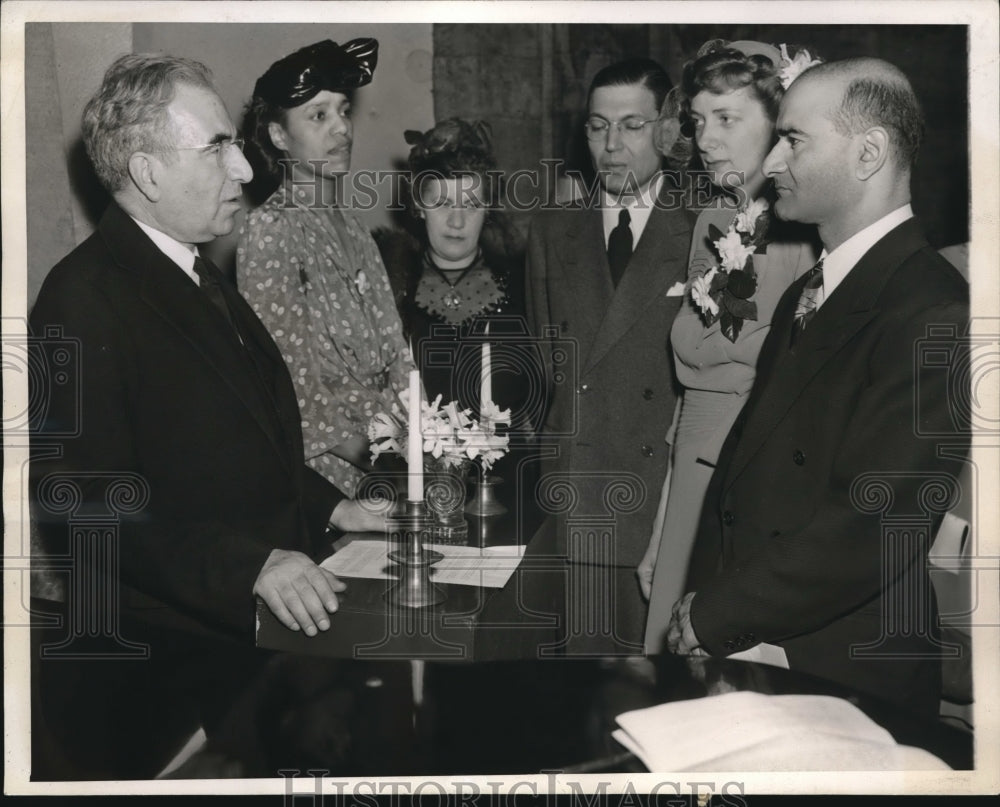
(184, 399)
(606, 274)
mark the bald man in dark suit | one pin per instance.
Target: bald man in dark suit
(845, 429)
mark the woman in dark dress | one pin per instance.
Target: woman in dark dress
(459, 281)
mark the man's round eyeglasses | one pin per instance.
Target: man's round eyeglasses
(597, 128)
(219, 149)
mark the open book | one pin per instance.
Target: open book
(748, 731)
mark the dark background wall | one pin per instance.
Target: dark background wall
(530, 82)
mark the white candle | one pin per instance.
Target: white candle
(415, 443)
(486, 376)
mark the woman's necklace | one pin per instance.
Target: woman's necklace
(468, 292)
(451, 298)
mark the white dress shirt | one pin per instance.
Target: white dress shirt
(639, 209)
(181, 254)
(837, 264)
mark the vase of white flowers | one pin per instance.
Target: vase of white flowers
(452, 441)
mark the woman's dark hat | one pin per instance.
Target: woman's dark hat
(326, 65)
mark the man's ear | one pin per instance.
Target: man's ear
(277, 133)
(875, 145)
(145, 173)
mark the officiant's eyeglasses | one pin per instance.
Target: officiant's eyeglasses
(597, 128)
(219, 149)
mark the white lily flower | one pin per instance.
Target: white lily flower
(793, 67)
(746, 219)
(700, 293)
(732, 251)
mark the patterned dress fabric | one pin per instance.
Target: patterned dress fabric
(315, 278)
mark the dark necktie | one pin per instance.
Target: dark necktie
(211, 283)
(620, 246)
(808, 300)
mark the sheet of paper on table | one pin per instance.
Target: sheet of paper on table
(486, 567)
(743, 731)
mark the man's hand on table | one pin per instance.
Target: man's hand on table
(299, 593)
(681, 638)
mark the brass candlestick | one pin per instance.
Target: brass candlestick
(414, 589)
(484, 500)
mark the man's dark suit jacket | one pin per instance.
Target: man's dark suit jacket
(168, 392)
(841, 436)
(612, 387)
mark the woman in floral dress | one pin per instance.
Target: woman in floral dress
(742, 260)
(308, 266)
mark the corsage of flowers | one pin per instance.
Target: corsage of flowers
(792, 67)
(723, 293)
(451, 436)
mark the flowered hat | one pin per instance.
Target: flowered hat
(300, 76)
(749, 47)
(788, 67)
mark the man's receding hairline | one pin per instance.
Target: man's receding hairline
(208, 90)
(859, 68)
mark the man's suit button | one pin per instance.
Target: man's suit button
(647, 451)
(799, 458)
(583, 389)
(728, 518)
(647, 394)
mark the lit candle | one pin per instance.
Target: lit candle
(486, 375)
(415, 443)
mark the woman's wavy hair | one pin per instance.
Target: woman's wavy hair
(719, 68)
(262, 154)
(452, 149)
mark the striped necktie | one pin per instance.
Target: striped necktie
(808, 300)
